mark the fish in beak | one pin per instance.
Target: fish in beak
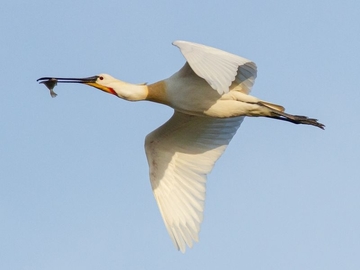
(51, 82)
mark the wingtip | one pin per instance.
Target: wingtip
(177, 43)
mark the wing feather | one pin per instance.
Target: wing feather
(180, 154)
(217, 67)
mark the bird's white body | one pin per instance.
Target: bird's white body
(198, 98)
(210, 96)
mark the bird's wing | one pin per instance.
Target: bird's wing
(180, 154)
(217, 67)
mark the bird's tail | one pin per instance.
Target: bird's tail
(277, 112)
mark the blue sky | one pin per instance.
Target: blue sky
(74, 188)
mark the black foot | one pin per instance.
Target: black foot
(296, 119)
(299, 119)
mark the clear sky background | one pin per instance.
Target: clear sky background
(74, 187)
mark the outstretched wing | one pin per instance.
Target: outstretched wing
(180, 154)
(217, 67)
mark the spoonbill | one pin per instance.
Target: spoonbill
(210, 98)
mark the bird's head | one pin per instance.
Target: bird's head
(103, 82)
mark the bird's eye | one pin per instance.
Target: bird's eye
(101, 78)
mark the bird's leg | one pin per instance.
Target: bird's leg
(296, 119)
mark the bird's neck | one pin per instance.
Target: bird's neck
(131, 92)
(155, 92)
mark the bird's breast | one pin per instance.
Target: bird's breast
(157, 93)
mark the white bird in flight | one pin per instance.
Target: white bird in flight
(210, 98)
